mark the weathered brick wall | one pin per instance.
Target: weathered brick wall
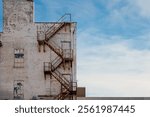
(21, 32)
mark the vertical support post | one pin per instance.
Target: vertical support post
(44, 47)
(39, 47)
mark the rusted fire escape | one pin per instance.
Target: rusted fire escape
(69, 87)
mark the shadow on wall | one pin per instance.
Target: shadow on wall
(5, 95)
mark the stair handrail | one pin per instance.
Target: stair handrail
(55, 45)
(62, 82)
(60, 75)
(49, 33)
(56, 62)
(55, 48)
(48, 67)
(60, 95)
(60, 20)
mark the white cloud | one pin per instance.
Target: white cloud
(114, 85)
(142, 7)
(111, 67)
(134, 6)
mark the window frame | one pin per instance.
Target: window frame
(18, 58)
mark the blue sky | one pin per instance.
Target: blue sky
(113, 43)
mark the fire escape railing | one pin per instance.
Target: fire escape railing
(65, 18)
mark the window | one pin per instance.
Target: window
(19, 58)
(18, 90)
(66, 46)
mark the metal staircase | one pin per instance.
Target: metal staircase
(63, 55)
(53, 30)
(65, 93)
(55, 48)
(56, 63)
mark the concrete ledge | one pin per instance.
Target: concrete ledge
(113, 98)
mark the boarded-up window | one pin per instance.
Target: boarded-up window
(19, 58)
(18, 89)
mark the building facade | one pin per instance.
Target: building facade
(37, 59)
